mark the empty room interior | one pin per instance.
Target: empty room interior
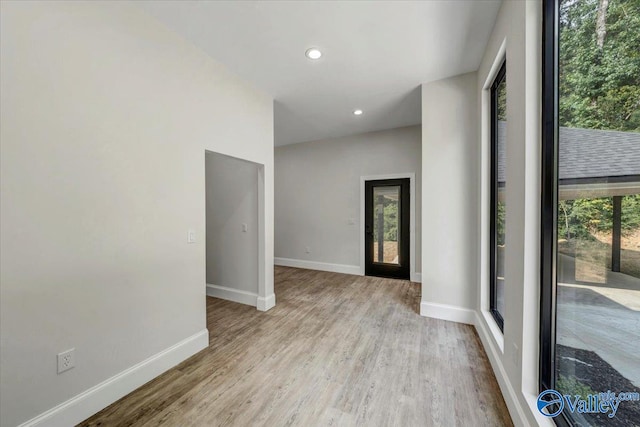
(320, 213)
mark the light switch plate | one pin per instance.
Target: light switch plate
(191, 236)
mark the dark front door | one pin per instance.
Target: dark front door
(386, 228)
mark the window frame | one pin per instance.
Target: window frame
(493, 214)
(549, 192)
(549, 200)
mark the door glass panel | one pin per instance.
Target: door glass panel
(386, 223)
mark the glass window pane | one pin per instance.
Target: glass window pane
(498, 194)
(501, 205)
(386, 223)
(598, 259)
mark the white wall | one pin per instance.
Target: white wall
(106, 116)
(456, 158)
(517, 35)
(318, 192)
(232, 200)
(449, 157)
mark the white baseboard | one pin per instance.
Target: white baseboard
(416, 277)
(266, 303)
(87, 403)
(447, 312)
(322, 266)
(508, 392)
(235, 295)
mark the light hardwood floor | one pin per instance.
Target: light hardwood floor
(336, 350)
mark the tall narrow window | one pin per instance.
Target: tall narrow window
(498, 193)
(590, 313)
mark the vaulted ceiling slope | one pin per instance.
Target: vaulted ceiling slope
(375, 55)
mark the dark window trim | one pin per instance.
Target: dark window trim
(549, 198)
(549, 192)
(493, 278)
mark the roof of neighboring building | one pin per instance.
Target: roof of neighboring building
(588, 154)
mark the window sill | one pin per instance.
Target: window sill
(494, 329)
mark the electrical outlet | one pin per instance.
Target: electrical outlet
(191, 236)
(307, 250)
(66, 360)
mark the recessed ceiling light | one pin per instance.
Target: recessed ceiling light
(357, 112)
(313, 53)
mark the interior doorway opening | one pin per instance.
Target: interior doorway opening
(234, 190)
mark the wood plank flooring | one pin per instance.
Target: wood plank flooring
(337, 350)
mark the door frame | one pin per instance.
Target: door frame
(402, 270)
(265, 298)
(413, 276)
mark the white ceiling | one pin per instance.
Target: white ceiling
(375, 55)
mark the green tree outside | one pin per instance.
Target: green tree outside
(599, 62)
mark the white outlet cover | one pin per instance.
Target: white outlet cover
(66, 360)
(191, 236)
